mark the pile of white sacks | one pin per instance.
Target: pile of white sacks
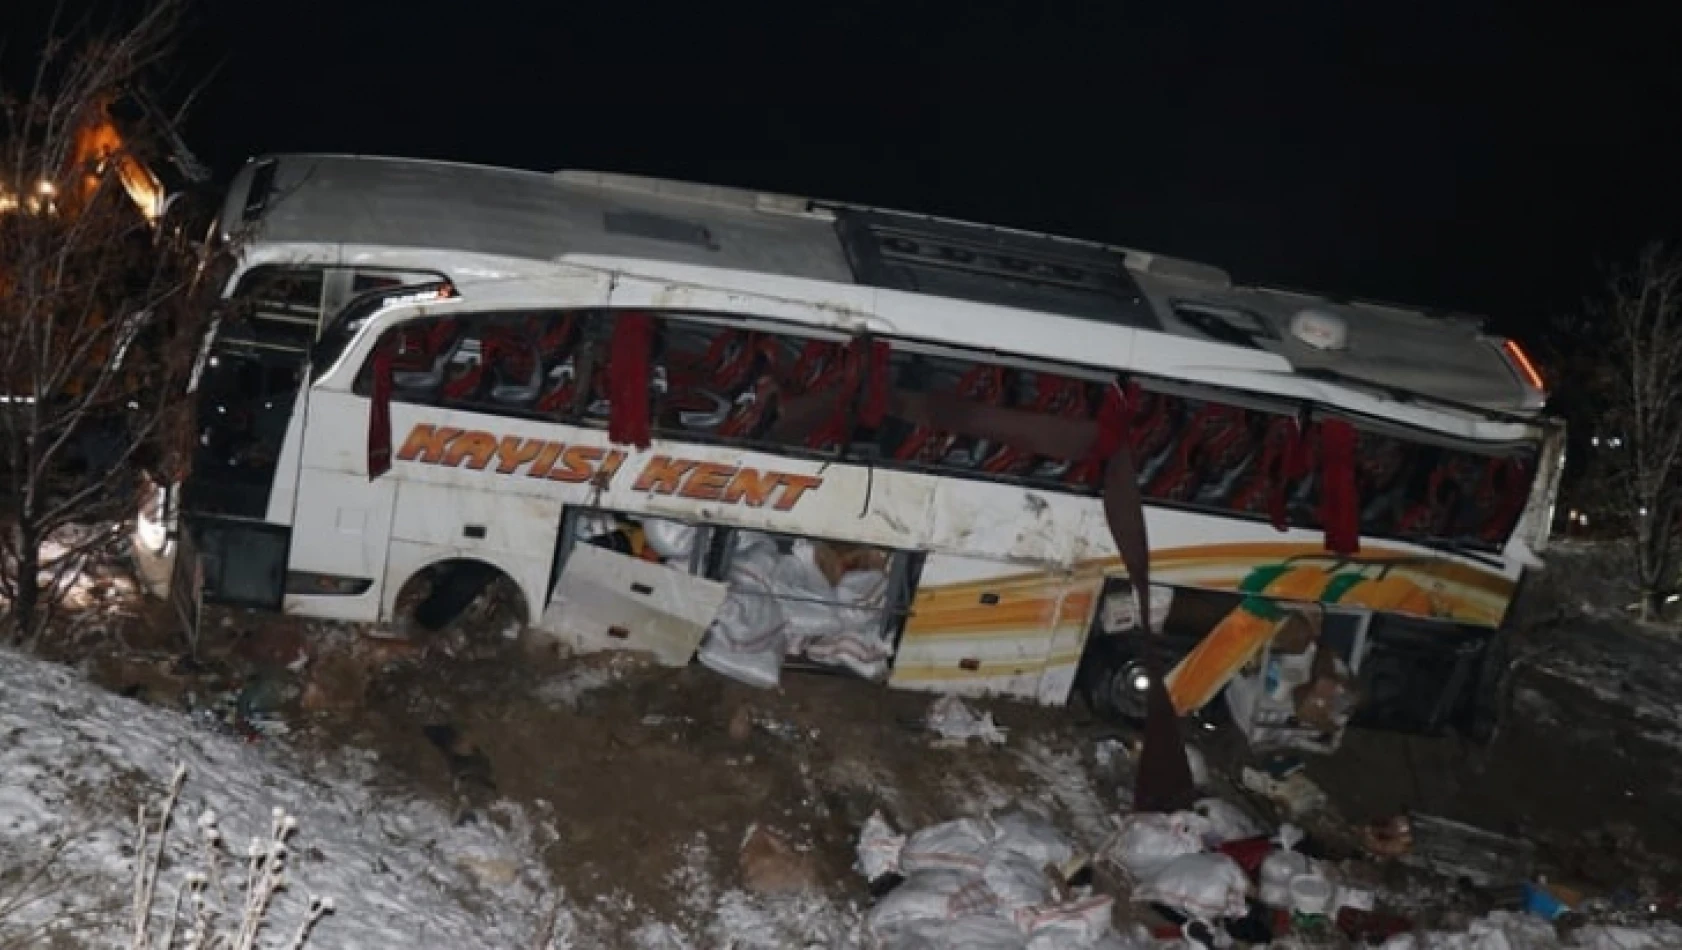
(986, 884)
(783, 605)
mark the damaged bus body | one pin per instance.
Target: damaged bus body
(657, 409)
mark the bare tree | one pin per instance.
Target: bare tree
(1629, 349)
(101, 307)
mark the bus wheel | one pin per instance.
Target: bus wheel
(472, 593)
(1113, 679)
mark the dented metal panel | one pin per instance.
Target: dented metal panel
(611, 601)
(979, 629)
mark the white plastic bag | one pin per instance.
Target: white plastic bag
(807, 596)
(1209, 886)
(980, 933)
(1016, 881)
(1031, 836)
(669, 539)
(849, 634)
(1227, 822)
(1075, 924)
(956, 722)
(863, 655)
(879, 848)
(960, 846)
(1147, 841)
(923, 896)
(746, 641)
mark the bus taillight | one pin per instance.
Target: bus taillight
(1521, 361)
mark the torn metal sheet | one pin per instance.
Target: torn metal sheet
(611, 601)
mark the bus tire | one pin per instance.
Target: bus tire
(1109, 679)
(455, 586)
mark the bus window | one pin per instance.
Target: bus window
(753, 384)
(538, 364)
(919, 369)
(277, 308)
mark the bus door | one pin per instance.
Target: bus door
(341, 522)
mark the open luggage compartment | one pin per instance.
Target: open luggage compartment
(748, 602)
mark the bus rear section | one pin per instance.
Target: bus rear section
(960, 564)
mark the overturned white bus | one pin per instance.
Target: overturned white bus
(655, 407)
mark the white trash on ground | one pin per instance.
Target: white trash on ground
(1146, 842)
(983, 882)
(1204, 886)
(1227, 822)
(959, 845)
(1504, 930)
(879, 848)
(955, 722)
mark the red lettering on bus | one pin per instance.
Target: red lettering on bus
(752, 486)
(662, 475)
(793, 487)
(426, 443)
(513, 452)
(475, 448)
(578, 463)
(546, 459)
(708, 481)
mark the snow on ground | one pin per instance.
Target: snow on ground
(78, 761)
(720, 917)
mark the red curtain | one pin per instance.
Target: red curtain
(379, 412)
(874, 409)
(1340, 509)
(628, 379)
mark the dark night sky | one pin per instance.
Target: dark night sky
(1455, 154)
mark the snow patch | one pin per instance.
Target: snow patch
(79, 761)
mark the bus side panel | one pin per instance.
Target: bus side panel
(1073, 622)
(980, 628)
(343, 522)
(342, 530)
(516, 533)
(1189, 549)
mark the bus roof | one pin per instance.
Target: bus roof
(375, 202)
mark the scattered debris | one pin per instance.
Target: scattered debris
(1296, 793)
(994, 884)
(770, 865)
(1462, 852)
(879, 850)
(1388, 839)
(956, 723)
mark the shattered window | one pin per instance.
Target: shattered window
(995, 398)
(276, 308)
(755, 384)
(538, 364)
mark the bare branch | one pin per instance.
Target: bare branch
(102, 305)
(1636, 384)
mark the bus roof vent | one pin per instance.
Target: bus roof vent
(1175, 268)
(987, 265)
(717, 196)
